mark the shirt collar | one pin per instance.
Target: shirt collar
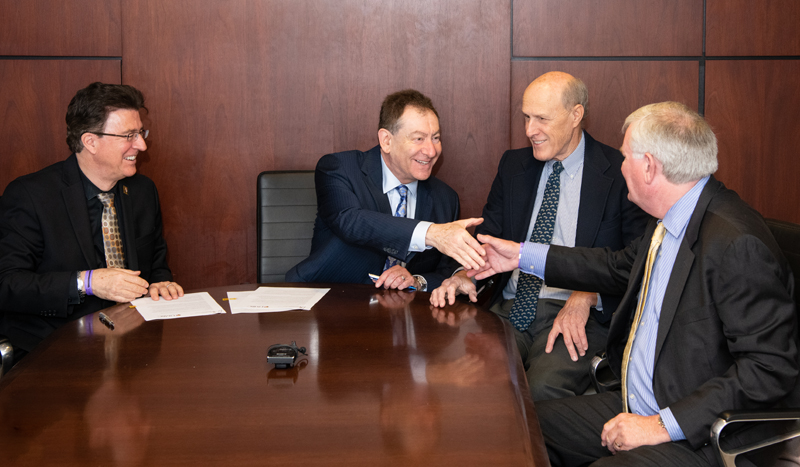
(574, 161)
(91, 190)
(390, 182)
(677, 218)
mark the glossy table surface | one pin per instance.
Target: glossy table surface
(388, 381)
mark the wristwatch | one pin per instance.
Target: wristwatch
(81, 287)
(422, 284)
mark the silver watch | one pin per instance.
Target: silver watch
(81, 287)
(423, 284)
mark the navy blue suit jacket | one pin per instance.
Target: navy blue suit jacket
(606, 218)
(45, 237)
(355, 229)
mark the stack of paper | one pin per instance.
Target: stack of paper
(191, 304)
(271, 299)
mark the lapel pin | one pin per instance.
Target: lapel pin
(124, 189)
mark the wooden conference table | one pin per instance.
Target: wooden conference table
(388, 381)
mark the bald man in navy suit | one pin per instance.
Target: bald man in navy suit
(593, 209)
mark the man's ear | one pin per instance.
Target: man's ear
(577, 115)
(651, 167)
(89, 141)
(385, 140)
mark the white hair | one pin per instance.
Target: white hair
(675, 135)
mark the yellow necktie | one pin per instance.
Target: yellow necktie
(655, 243)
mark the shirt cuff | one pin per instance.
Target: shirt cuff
(674, 430)
(532, 258)
(599, 306)
(418, 237)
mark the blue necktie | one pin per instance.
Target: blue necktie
(528, 286)
(399, 212)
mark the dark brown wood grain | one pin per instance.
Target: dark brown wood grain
(33, 102)
(236, 88)
(199, 391)
(752, 105)
(81, 28)
(557, 28)
(615, 90)
(743, 28)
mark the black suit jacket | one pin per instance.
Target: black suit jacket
(45, 237)
(606, 218)
(355, 229)
(727, 334)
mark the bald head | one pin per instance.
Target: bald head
(572, 90)
(554, 105)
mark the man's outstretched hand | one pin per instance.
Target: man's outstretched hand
(453, 240)
(501, 256)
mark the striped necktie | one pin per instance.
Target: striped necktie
(399, 212)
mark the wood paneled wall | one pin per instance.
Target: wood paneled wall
(235, 88)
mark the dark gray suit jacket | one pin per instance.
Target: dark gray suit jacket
(355, 229)
(727, 334)
(45, 237)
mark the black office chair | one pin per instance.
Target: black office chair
(287, 206)
(6, 355)
(6, 351)
(787, 235)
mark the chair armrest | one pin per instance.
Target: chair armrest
(6, 355)
(603, 378)
(727, 457)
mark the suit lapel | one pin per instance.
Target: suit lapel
(371, 167)
(683, 264)
(424, 202)
(623, 317)
(75, 202)
(523, 196)
(594, 192)
(128, 221)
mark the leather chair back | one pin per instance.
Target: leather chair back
(787, 234)
(287, 207)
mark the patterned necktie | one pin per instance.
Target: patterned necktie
(652, 253)
(399, 212)
(112, 243)
(528, 286)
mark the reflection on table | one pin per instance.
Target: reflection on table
(388, 380)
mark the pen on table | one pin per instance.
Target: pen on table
(106, 320)
(375, 278)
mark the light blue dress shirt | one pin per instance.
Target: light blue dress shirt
(566, 225)
(641, 399)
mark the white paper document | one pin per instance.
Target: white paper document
(191, 304)
(271, 299)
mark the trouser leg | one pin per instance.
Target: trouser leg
(554, 375)
(572, 428)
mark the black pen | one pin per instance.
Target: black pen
(106, 320)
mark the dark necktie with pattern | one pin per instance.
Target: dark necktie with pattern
(528, 286)
(399, 212)
(112, 242)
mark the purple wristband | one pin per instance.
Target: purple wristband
(89, 283)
